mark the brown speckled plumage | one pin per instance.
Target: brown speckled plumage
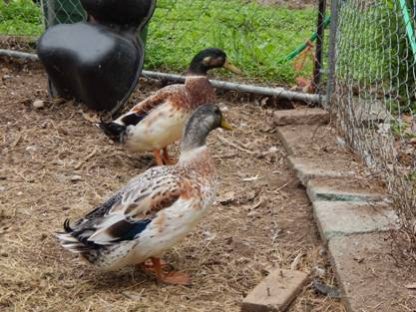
(154, 210)
(157, 121)
(196, 91)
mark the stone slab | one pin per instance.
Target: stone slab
(301, 116)
(275, 292)
(344, 189)
(320, 167)
(289, 140)
(370, 280)
(308, 140)
(297, 140)
(346, 218)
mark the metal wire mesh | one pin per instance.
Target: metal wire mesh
(61, 11)
(259, 35)
(374, 95)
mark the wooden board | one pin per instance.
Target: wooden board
(275, 292)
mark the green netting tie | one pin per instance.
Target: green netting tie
(409, 26)
(303, 46)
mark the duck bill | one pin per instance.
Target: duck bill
(225, 125)
(232, 68)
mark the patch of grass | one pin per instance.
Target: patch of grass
(20, 17)
(255, 37)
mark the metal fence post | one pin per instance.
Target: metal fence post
(319, 46)
(332, 55)
(50, 12)
(42, 6)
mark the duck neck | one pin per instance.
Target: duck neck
(193, 147)
(194, 139)
(193, 155)
(197, 69)
(197, 84)
(200, 90)
(197, 161)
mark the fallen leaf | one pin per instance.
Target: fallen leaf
(407, 119)
(251, 179)
(75, 178)
(359, 259)
(91, 117)
(38, 104)
(411, 286)
(326, 290)
(227, 198)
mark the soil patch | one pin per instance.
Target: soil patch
(55, 165)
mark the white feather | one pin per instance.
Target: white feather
(161, 127)
(101, 236)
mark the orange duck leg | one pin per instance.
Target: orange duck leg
(167, 160)
(174, 278)
(158, 157)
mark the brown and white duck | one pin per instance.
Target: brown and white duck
(158, 121)
(155, 209)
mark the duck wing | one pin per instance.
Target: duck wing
(127, 213)
(116, 129)
(167, 94)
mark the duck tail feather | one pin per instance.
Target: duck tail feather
(114, 131)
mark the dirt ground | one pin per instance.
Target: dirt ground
(55, 165)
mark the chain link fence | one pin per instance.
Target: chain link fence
(61, 11)
(372, 74)
(268, 39)
(374, 96)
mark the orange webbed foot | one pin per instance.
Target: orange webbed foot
(176, 278)
(156, 266)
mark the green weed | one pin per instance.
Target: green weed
(255, 37)
(20, 17)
